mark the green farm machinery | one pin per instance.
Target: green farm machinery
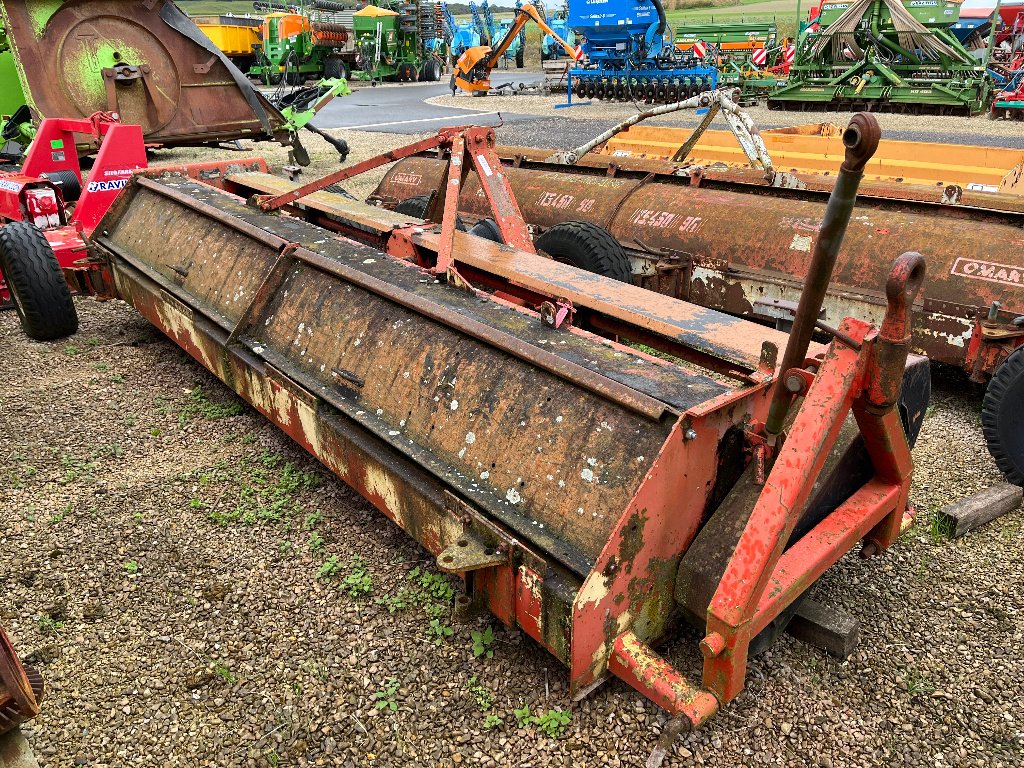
(403, 41)
(303, 42)
(15, 122)
(885, 55)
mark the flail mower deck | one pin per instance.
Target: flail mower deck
(493, 403)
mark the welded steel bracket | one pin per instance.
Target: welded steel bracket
(480, 545)
(471, 553)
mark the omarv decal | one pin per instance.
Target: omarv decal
(986, 270)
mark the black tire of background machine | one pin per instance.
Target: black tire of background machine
(417, 206)
(488, 230)
(1002, 417)
(587, 246)
(335, 68)
(41, 295)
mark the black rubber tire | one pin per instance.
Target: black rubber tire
(520, 58)
(587, 246)
(335, 68)
(488, 230)
(67, 182)
(1002, 417)
(431, 71)
(41, 296)
(417, 206)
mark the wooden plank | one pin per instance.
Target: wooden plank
(965, 515)
(832, 630)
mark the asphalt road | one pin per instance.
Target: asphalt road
(403, 108)
(394, 108)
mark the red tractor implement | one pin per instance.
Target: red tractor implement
(49, 206)
(494, 404)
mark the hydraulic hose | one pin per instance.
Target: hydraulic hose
(662, 19)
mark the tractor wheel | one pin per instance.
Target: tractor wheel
(587, 246)
(417, 206)
(271, 78)
(520, 58)
(1002, 418)
(335, 68)
(36, 282)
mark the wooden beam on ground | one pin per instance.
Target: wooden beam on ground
(832, 630)
(965, 515)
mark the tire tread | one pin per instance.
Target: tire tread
(605, 254)
(1004, 442)
(33, 273)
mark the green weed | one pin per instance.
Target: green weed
(492, 721)
(316, 541)
(356, 579)
(58, 517)
(385, 698)
(198, 404)
(438, 631)
(554, 722)
(482, 694)
(223, 671)
(482, 643)
(131, 567)
(49, 626)
(523, 716)
(267, 489)
(916, 682)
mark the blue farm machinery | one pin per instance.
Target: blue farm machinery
(891, 55)
(558, 20)
(629, 55)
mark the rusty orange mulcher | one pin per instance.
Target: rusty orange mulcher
(495, 404)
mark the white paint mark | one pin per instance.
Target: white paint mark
(588, 475)
(513, 496)
(470, 438)
(801, 243)
(455, 405)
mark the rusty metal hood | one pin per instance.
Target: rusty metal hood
(145, 61)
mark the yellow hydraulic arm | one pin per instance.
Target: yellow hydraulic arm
(473, 69)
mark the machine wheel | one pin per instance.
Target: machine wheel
(271, 78)
(1002, 418)
(587, 246)
(335, 68)
(417, 206)
(431, 71)
(67, 182)
(488, 230)
(520, 58)
(36, 282)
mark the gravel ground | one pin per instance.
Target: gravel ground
(197, 591)
(955, 130)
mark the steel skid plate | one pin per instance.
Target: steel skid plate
(145, 61)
